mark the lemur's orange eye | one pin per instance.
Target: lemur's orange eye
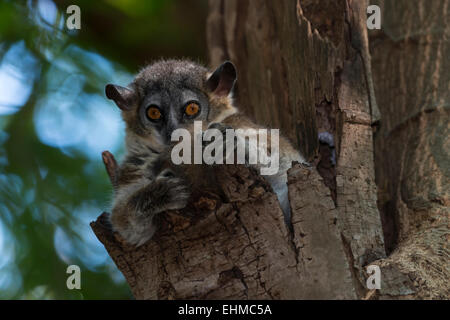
(153, 113)
(192, 109)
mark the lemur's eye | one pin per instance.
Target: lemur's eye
(153, 113)
(192, 109)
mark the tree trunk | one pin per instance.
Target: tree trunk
(303, 67)
(411, 63)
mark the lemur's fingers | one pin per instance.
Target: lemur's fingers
(220, 126)
(111, 166)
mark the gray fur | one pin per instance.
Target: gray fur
(144, 187)
(142, 190)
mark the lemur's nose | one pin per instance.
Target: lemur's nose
(170, 127)
(168, 137)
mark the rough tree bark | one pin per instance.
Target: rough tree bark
(411, 63)
(304, 67)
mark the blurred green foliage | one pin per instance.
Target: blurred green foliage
(55, 121)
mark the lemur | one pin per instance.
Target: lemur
(164, 96)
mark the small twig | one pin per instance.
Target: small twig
(111, 166)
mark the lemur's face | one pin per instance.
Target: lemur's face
(166, 108)
(168, 95)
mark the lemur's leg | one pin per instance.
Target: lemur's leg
(133, 217)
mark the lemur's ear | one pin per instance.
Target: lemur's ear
(222, 80)
(123, 97)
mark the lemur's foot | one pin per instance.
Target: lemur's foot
(326, 138)
(165, 193)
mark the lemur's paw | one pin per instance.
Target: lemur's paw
(222, 127)
(219, 126)
(178, 194)
(223, 146)
(169, 193)
(327, 139)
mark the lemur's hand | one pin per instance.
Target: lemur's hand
(169, 193)
(222, 128)
(219, 126)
